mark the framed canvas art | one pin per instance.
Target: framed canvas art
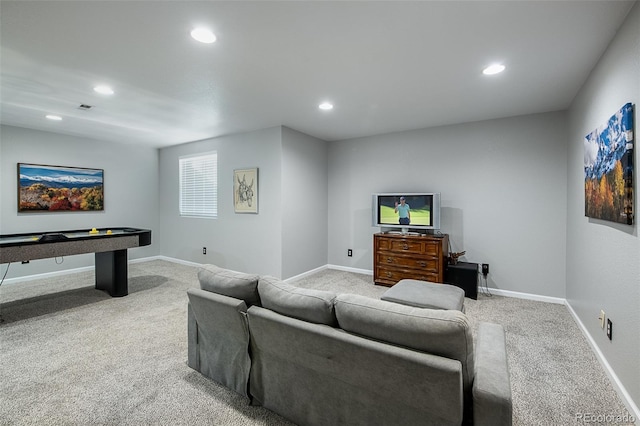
(609, 169)
(43, 188)
(245, 190)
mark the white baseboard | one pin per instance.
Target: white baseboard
(349, 269)
(305, 274)
(146, 259)
(172, 259)
(16, 280)
(506, 293)
(528, 296)
(621, 390)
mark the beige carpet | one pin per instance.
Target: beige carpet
(72, 355)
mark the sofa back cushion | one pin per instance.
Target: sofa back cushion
(314, 374)
(230, 283)
(302, 303)
(440, 332)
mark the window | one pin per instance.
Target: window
(199, 185)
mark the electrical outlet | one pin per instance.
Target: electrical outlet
(601, 318)
(485, 269)
(350, 253)
(204, 250)
(609, 329)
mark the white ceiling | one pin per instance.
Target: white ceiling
(387, 66)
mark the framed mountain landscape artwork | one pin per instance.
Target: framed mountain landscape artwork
(44, 188)
(609, 169)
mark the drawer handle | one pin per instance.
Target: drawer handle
(405, 247)
(389, 259)
(389, 274)
(423, 264)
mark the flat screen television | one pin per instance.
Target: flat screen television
(407, 212)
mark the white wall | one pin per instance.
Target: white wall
(503, 185)
(304, 202)
(244, 242)
(603, 258)
(130, 186)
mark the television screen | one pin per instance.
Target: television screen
(410, 210)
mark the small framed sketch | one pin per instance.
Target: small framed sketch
(245, 190)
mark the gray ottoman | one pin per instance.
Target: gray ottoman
(424, 294)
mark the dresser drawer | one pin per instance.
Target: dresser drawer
(391, 259)
(432, 249)
(406, 246)
(391, 276)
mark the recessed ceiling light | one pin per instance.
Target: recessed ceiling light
(53, 117)
(493, 69)
(103, 90)
(203, 35)
(325, 106)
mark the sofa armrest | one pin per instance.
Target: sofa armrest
(193, 360)
(491, 387)
(218, 338)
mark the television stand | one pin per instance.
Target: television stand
(419, 257)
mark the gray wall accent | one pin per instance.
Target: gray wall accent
(244, 242)
(304, 202)
(131, 190)
(503, 185)
(603, 258)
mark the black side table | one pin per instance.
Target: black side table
(465, 276)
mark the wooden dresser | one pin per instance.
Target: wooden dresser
(418, 257)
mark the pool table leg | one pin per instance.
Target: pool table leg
(111, 272)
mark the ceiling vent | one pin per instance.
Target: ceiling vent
(85, 107)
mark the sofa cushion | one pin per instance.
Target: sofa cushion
(302, 303)
(425, 294)
(441, 332)
(230, 283)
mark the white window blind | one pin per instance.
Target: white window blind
(199, 185)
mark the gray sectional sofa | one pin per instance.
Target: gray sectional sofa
(319, 358)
